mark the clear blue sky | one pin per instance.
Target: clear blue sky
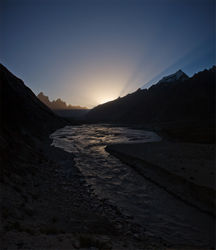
(91, 51)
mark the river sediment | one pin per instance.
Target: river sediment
(185, 170)
(157, 212)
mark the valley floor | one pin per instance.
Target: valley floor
(45, 206)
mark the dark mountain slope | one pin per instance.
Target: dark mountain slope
(25, 125)
(22, 110)
(191, 99)
(183, 109)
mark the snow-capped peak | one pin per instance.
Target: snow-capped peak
(179, 75)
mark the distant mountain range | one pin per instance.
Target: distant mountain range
(57, 104)
(175, 99)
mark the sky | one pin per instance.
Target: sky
(87, 52)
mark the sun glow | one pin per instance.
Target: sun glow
(103, 100)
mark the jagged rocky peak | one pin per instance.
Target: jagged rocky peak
(178, 75)
(57, 104)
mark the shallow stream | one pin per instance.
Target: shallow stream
(160, 213)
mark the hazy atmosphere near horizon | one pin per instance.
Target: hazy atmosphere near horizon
(89, 52)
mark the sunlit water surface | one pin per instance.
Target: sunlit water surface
(160, 213)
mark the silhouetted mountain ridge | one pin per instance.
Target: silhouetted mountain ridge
(57, 104)
(190, 100)
(179, 75)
